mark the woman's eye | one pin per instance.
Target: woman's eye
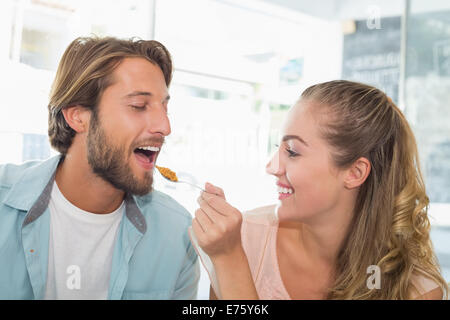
(292, 153)
(138, 107)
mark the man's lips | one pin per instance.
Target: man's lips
(146, 159)
(146, 146)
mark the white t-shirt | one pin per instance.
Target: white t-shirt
(80, 250)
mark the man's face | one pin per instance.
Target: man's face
(131, 117)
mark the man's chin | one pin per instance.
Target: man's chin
(132, 186)
(140, 192)
(141, 188)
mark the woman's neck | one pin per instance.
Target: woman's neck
(320, 237)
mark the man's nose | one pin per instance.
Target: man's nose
(158, 121)
(274, 166)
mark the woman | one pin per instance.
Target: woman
(352, 218)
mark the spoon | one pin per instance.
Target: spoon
(169, 175)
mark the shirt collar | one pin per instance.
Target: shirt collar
(31, 184)
(32, 193)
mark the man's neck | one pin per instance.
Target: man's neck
(84, 189)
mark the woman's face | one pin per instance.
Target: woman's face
(309, 185)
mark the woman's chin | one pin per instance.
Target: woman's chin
(290, 213)
(285, 212)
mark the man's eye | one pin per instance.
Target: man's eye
(138, 107)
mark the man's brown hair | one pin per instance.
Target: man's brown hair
(84, 72)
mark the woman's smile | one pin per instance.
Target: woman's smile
(284, 191)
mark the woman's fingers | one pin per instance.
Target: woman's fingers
(210, 188)
(200, 234)
(219, 204)
(203, 220)
(218, 232)
(218, 220)
(197, 229)
(221, 213)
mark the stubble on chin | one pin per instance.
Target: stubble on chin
(112, 163)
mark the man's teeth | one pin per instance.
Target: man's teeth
(149, 148)
(285, 190)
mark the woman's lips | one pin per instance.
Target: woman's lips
(280, 184)
(284, 191)
(282, 196)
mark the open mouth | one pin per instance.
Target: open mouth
(146, 156)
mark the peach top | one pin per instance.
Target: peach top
(259, 233)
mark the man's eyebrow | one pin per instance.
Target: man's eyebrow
(138, 93)
(290, 137)
(142, 93)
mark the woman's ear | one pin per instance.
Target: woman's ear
(77, 117)
(357, 173)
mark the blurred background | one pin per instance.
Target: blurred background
(239, 66)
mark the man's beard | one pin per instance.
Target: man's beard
(110, 162)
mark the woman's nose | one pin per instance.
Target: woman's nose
(274, 165)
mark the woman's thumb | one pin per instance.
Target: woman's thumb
(210, 188)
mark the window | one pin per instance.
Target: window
(34, 34)
(427, 92)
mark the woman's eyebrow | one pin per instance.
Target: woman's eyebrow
(290, 137)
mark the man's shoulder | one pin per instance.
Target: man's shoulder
(163, 204)
(10, 173)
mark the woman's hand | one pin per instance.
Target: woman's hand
(217, 224)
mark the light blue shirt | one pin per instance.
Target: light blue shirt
(153, 257)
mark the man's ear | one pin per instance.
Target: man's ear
(77, 117)
(357, 173)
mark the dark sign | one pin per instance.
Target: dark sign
(372, 55)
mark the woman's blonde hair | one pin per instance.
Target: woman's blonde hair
(390, 226)
(84, 72)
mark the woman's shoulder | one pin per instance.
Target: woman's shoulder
(423, 287)
(261, 216)
(257, 226)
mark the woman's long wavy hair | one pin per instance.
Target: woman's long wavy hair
(390, 226)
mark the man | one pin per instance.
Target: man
(86, 224)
